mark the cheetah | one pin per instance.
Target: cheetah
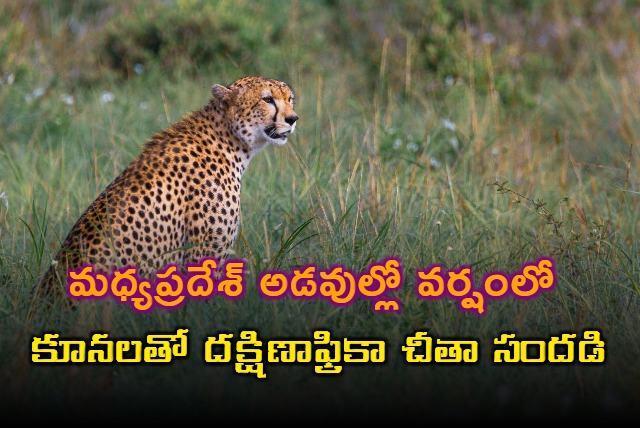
(179, 200)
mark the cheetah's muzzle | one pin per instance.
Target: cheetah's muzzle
(272, 133)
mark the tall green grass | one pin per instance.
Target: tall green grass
(487, 166)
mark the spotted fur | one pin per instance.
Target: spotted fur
(179, 200)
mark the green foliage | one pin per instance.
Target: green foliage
(190, 33)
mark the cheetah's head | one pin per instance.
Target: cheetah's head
(258, 110)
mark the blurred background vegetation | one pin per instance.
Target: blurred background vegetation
(483, 133)
(81, 43)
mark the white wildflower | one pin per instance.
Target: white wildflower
(543, 40)
(67, 99)
(138, 68)
(616, 49)
(397, 143)
(454, 142)
(448, 80)
(3, 196)
(413, 147)
(107, 97)
(451, 126)
(488, 38)
(434, 163)
(144, 105)
(36, 93)
(495, 151)
(8, 79)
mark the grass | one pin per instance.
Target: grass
(443, 169)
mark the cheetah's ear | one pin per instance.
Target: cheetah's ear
(221, 94)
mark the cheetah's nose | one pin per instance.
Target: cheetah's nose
(291, 119)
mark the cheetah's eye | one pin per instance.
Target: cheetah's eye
(269, 100)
